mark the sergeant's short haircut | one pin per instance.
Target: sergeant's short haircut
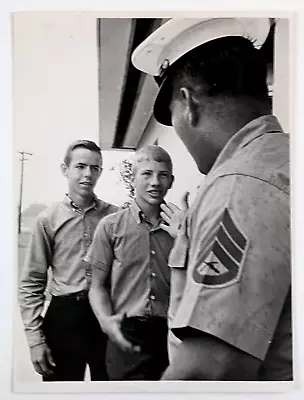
(229, 66)
(85, 144)
(148, 153)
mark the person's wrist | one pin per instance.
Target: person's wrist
(37, 344)
(107, 325)
(178, 230)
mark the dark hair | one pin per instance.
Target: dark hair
(229, 65)
(151, 152)
(85, 144)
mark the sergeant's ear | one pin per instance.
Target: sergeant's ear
(190, 107)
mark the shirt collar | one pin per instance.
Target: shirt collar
(68, 201)
(139, 214)
(255, 128)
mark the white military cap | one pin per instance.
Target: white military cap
(178, 36)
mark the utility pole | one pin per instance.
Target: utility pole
(22, 159)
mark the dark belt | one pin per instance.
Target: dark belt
(77, 296)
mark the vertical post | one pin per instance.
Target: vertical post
(22, 159)
(21, 189)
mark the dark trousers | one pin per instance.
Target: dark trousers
(75, 338)
(151, 335)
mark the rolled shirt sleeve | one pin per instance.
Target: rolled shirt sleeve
(238, 273)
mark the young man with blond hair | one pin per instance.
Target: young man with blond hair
(130, 282)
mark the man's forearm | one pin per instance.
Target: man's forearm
(110, 323)
(33, 281)
(101, 304)
(31, 301)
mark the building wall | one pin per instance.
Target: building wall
(282, 81)
(187, 176)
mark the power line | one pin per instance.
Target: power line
(22, 159)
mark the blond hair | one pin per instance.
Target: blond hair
(148, 153)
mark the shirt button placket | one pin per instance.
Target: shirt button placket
(87, 241)
(152, 277)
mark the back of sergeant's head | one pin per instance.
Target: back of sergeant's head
(226, 67)
(230, 65)
(151, 153)
(210, 56)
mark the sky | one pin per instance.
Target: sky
(44, 183)
(56, 102)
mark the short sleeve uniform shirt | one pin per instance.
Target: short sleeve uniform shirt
(231, 272)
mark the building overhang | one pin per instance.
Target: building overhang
(126, 95)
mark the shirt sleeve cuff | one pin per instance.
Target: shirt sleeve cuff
(257, 346)
(35, 338)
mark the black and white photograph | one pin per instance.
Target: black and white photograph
(152, 196)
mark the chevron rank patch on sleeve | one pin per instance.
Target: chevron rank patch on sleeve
(223, 264)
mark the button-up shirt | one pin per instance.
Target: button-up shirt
(231, 261)
(60, 239)
(135, 254)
